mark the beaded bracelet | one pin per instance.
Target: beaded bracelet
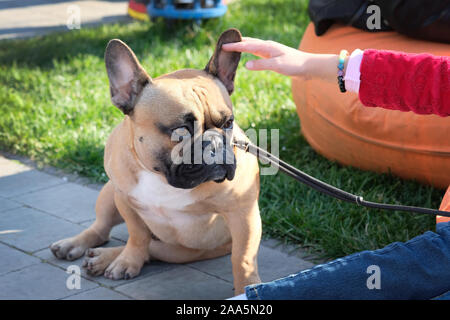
(342, 55)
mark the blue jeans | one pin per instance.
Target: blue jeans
(417, 269)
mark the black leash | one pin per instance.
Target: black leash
(326, 188)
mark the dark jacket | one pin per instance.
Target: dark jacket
(425, 19)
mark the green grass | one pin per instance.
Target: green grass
(55, 108)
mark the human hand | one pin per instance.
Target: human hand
(275, 56)
(286, 60)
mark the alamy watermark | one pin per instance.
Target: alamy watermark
(374, 280)
(73, 281)
(374, 20)
(74, 17)
(214, 147)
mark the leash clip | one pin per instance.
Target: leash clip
(244, 145)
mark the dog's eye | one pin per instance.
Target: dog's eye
(228, 124)
(178, 134)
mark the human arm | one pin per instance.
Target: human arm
(286, 60)
(387, 79)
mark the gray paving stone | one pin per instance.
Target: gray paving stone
(218, 267)
(272, 264)
(292, 250)
(6, 204)
(36, 210)
(32, 230)
(120, 232)
(149, 269)
(9, 167)
(99, 293)
(69, 201)
(179, 283)
(39, 281)
(13, 259)
(26, 181)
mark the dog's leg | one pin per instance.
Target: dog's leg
(245, 228)
(129, 262)
(98, 259)
(107, 217)
(178, 254)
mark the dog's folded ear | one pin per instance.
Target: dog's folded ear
(126, 76)
(223, 64)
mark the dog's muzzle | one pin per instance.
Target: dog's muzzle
(211, 159)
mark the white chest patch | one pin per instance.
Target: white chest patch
(163, 213)
(153, 191)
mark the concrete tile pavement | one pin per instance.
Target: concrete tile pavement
(27, 18)
(38, 208)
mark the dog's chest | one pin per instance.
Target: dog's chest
(153, 192)
(162, 209)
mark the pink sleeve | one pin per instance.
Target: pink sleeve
(406, 82)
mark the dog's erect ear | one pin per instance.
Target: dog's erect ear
(223, 64)
(126, 76)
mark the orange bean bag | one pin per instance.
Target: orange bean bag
(339, 127)
(445, 206)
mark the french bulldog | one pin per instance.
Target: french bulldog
(174, 212)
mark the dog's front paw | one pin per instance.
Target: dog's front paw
(98, 259)
(69, 249)
(125, 266)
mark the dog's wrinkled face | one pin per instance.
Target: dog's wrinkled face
(182, 122)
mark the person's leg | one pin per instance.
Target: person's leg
(417, 269)
(445, 296)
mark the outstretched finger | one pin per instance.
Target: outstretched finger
(258, 48)
(262, 64)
